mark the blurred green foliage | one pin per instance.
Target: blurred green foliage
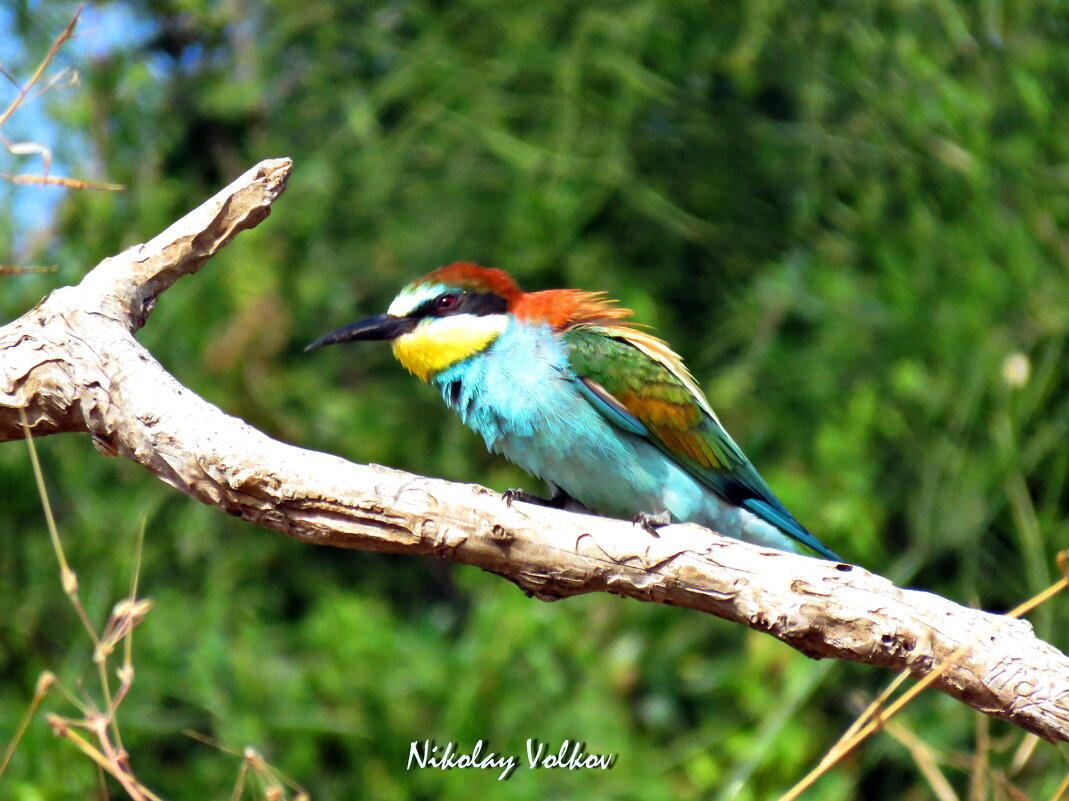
(848, 217)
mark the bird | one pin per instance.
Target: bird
(562, 383)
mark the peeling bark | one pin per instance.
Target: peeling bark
(72, 364)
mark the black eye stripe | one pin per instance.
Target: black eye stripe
(477, 303)
(482, 303)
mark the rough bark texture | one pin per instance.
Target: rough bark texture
(72, 364)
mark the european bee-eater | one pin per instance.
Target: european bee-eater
(560, 384)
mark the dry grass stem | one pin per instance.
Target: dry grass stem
(877, 714)
(25, 90)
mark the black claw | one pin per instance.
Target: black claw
(652, 522)
(513, 495)
(558, 500)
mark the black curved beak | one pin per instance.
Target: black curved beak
(379, 327)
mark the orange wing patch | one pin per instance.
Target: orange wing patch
(689, 444)
(656, 412)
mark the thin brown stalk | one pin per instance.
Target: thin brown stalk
(56, 45)
(4, 270)
(44, 684)
(924, 758)
(878, 716)
(55, 180)
(981, 767)
(68, 578)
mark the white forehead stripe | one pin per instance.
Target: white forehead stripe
(412, 296)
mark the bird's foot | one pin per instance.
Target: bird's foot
(513, 495)
(652, 522)
(556, 502)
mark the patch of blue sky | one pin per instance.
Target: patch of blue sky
(103, 30)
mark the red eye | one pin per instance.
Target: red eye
(447, 302)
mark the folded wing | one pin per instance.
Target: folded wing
(640, 385)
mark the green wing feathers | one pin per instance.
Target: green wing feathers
(657, 393)
(642, 386)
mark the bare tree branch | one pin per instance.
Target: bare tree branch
(72, 364)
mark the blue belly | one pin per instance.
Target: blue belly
(521, 397)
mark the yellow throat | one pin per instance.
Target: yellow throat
(438, 343)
